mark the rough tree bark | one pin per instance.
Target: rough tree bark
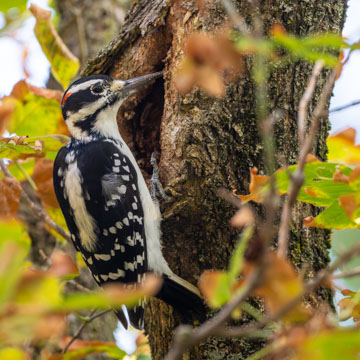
(206, 143)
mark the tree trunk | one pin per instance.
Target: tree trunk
(206, 143)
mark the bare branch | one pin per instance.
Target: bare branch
(347, 274)
(304, 102)
(229, 197)
(38, 211)
(297, 179)
(78, 332)
(235, 18)
(346, 106)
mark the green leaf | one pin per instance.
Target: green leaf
(51, 143)
(79, 301)
(143, 357)
(35, 115)
(5, 5)
(111, 350)
(14, 246)
(13, 152)
(334, 217)
(27, 166)
(222, 293)
(331, 345)
(12, 258)
(313, 48)
(46, 292)
(319, 187)
(237, 257)
(64, 65)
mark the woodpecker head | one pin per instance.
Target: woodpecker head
(90, 104)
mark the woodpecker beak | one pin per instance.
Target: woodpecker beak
(129, 86)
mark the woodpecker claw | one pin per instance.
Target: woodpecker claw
(156, 187)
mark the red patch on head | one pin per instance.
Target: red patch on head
(65, 97)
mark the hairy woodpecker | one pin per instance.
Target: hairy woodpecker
(113, 221)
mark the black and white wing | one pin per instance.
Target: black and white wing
(102, 207)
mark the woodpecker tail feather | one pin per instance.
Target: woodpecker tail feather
(136, 316)
(183, 297)
(122, 318)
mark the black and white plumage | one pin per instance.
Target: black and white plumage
(108, 209)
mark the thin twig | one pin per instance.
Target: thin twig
(346, 106)
(347, 274)
(229, 197)
(37, 210)
(78, 332)
(305, 99)
(26, 175)
(78, 286)
(297, 179)
(235, 18)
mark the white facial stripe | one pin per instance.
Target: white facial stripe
(83, 86)
(106, 124)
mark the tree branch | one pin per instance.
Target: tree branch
(297, 179)
(78, 332)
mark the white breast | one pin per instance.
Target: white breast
(83, 220)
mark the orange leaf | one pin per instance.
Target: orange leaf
(50, 327)
(310, 192)
(349, 203)
(355, 174)
(280, 285)
(243, 217)
(277, 30)
(62, 264)
(310, 222)
(10, 194)
(311, 158)
(208, 283)
(206, 58)
(257, 183)
(210, 81)
(142, 344)
(6, 109)
(43, 179)
(150, 286)
(340, 177)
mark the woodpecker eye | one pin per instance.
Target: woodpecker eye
(97, 88)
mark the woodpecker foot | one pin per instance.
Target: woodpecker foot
(155, 185)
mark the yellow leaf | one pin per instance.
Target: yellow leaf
(64, 65)
(342, 147)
